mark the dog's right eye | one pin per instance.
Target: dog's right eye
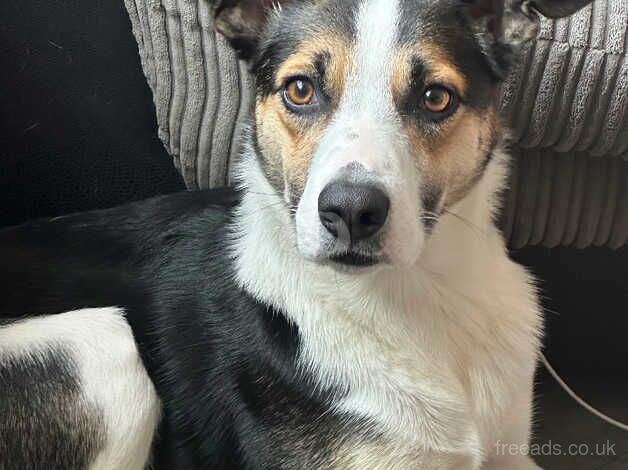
(299, 93)
(438, 102)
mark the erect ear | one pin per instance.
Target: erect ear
(242, 21)
(517, 21)
(558, 8)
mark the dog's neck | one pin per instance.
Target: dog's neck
(460, 251)
(383, 332)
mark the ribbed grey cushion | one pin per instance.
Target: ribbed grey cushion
(570, 91)
(570, 199)
(199, 87)
(568, 96)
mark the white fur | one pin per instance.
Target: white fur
(366, 130)
(438, 348)
(439, 355)
(111, 374)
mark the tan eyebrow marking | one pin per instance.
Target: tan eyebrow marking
(299, 62)
(439, 69)
(402, 72)
(335, 47)
(440, 66)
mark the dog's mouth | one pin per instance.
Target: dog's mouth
(355, 260)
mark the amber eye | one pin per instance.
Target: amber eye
(300, 92)
(437, 99)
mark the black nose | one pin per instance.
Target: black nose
(352, 211)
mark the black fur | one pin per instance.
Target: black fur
(299, 20)
(223, 365)
(44, 422)
(446, 22)
(430, 200)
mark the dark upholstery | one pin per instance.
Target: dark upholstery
(77, 124)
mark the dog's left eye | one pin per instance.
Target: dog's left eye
(438, 102)
(437, 99)
(300, 92)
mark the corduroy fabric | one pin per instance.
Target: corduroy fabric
(201, 91)
(566, 101)
(570, 91)
(569, 199)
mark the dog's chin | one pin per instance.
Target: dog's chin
(365, 257)
(358, 260)
(362, 261)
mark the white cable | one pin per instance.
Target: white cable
(581, 401)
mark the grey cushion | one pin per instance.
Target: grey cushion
(570, 199)
(570, 91)
(567, 102)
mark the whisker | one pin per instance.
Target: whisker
(467, 222)
(260, 193)
(263, 208)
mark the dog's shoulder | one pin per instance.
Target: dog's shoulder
(83, 230)
(153, 273)
(104, 257)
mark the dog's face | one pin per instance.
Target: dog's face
(372, 117)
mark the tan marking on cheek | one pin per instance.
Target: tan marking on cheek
(441, 67)
(288, 124)
(298, 158)
(338, 50)
(287, 144)
(450, 159)
(272, 136)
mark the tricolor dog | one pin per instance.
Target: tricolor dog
(351, 307)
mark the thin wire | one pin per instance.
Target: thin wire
(580, 401)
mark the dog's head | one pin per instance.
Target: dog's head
(372, 117)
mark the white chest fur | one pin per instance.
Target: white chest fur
(436, 356)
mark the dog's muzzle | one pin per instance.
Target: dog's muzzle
(361, 200)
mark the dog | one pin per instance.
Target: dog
(351, 305)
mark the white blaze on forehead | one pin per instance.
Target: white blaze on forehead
(368, 86)
(366, 126)
(366, 130)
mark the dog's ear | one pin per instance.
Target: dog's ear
(517, 21)
(558, 8)
(242, 21)
(502, 26)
